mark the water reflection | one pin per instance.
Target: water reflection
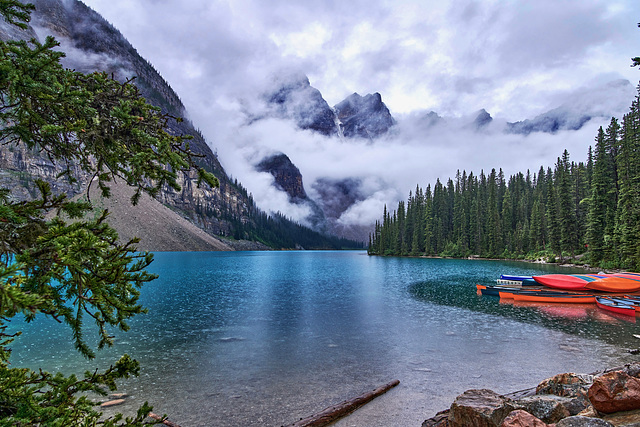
(586, 321)
(264, 338)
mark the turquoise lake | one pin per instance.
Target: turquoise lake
(267, 338)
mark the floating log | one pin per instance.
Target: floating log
(164, 421)
(112, 403)
(333, 413)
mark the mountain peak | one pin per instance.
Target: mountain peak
(287, 176)
(364, 116)
(483, 118)
(294, 98)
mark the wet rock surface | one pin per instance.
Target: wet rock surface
(611, 398)
(480, 408)
(614, 392)
(520, 418)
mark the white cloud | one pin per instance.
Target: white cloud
(516, 59)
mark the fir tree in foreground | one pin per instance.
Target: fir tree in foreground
(73, 271)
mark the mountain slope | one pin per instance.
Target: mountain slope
(92, 44)
(147, 217)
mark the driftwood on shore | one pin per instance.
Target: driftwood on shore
(344, 408)
(164, 421)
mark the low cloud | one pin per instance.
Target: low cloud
(515, 59)
(419, 150)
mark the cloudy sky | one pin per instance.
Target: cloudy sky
(514, 58)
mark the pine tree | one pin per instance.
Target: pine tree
(627, 214)
(601, 183)
(553, 223)
(565, 202)
(73, 271)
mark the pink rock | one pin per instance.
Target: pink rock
(614, 392)
(566, 385)
(520, 418)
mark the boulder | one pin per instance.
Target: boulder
(588, 412)
(480, 408)
(520, 418)
(633, 369)
(614, 392)
(548, 408)
(441, 419)
(566, 385)
(580, 421)
(627, 418)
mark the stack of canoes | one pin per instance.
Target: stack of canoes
(618, 292)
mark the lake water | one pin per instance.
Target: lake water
(267, 338)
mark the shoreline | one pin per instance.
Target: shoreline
(539, 261)
(567, 399)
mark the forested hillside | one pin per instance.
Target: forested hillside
(574, 208)
(227, 211)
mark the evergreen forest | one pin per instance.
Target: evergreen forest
(588, 212)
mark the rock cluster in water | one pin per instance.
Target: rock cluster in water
(565, 400)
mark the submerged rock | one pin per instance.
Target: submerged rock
(627, 418)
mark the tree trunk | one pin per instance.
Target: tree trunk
(342, 409)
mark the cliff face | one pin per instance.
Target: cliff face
(20, 167)
(92, 44)
(298, 100)
(286, 175)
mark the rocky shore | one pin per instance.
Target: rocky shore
(609, 398)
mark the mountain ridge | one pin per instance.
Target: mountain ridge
(92, 44)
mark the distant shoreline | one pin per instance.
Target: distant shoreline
(528, 261)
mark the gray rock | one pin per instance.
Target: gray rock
(480, 408)
(633, 369)
(579, 421)
(548, 408)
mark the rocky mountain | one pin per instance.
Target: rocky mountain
(297, 100)
(550, 122)
(287, 178)
(483, 118)
(367, 117)
(286, 175)
(92, 44)
(338, 195)
(601, 101)
(355, 117)
(364, 116)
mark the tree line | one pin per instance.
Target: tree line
(275, 230)
(588, 211)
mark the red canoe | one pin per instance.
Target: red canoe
(572, 282)
(615, 306)
(563, 299)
